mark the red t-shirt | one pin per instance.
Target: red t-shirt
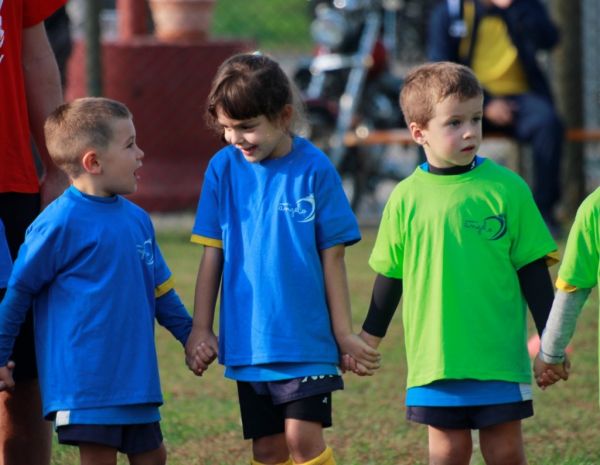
(17, 169)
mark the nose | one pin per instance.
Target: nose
(140, 154)
(234, 137)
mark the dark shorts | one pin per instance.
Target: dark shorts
(266, 405)
(473, 417)
(128, 439)
(17, 211)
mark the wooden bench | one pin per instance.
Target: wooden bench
(402, 136)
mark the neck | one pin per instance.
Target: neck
(458, 169)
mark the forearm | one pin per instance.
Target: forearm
(537, 288)
(13, 310)
(336, 288)
(171, 313)
(384, 301)
(207, 288)
(42, 83)
(561, 324)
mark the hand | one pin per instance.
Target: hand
(201, 349)
(349, 364)
(499, 111)
(358, 356)
(7, 383)
(546, 374)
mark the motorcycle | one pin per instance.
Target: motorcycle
(348, 86)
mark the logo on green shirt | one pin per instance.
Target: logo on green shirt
(491, 228)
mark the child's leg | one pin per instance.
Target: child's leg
(270, 450)
(502, 444)
(305, 440)
(449, 446)
(97, 454)
(152, 457)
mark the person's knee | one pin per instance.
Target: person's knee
(304, 440)
(270, 449)
(449, 447)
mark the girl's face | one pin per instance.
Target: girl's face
(452, 137)
(258, 138)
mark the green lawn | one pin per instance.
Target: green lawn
(200, 415)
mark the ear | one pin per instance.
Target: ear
(90, 162)
(285, 117)
(417, 133)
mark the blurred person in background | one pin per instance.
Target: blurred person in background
(29, 90)
(499, 40)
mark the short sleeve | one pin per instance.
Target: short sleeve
(37, 260)
(532, 239)
(36, 11)
(579, 267)
(387, 257)
(335, 221)
(206, 223)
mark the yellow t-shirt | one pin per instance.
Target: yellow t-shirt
(495, 59)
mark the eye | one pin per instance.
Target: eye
(454, 123)
(477, 119)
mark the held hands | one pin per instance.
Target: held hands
(7, 383)
(359, 354)
(547, 374)
(201, 349)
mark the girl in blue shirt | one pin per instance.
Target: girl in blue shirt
(274, 221)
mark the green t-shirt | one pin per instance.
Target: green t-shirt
(456, 242)
(580, 266)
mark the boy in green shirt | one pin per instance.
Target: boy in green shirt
(463, 241)
(578, 274)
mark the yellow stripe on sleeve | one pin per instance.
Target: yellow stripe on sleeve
(209, 241)
(564, 286)
(163, 288)
(552, 258)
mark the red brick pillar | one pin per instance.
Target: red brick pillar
(132, 18)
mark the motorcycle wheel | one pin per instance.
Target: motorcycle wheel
(320, 129)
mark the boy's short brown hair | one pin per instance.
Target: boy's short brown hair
(430, 83)
(81, 125)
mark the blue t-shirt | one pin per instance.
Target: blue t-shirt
(272, 219)
(95, 271)
(5, 258)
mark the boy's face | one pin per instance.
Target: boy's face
(120, 161)
(257, 138)
(452, 136)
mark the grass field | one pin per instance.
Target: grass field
(200, 416)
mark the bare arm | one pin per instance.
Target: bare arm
(338, 299)
(202, 346)
(44, 94)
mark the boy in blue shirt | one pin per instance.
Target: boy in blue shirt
(91, 266)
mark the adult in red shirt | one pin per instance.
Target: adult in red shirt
(29, 90)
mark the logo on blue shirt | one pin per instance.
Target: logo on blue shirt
(146, 252)
(302, 211)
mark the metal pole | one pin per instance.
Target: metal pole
(93, 48)
(568, 87)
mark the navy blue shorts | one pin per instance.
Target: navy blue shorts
(470, 417)
(265, 406)
(17, 211)
(128, 439)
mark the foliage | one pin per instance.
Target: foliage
(272, 24)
